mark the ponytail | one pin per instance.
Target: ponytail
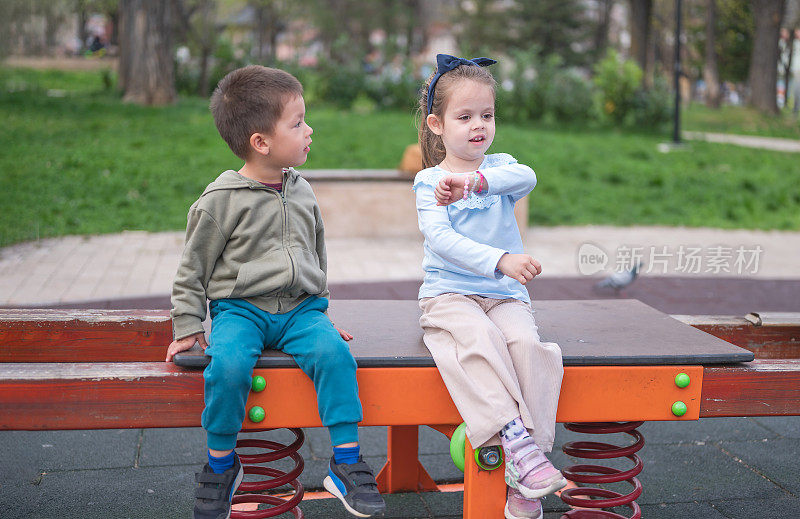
(430, 144)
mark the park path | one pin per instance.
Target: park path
(748, 141)
(142, 264)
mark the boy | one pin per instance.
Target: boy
(255, 249)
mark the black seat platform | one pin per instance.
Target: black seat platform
(590, 333)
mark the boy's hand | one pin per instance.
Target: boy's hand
(450, 189)
(185, 344)
(521, 267)
(346, 336)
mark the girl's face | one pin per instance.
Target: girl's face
(467, 125)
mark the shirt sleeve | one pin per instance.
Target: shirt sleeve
(515, 180)
(457, 249)
(204, 244)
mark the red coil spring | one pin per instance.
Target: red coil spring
(596, 498)
(275, 451)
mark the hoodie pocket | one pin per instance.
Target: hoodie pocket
(310, 278)
(266, 275)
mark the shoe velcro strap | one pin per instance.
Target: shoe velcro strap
(361, 479)
(208, 493)
(358, 467)
(210, 477)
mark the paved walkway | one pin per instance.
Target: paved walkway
(748, 141)
(141, 264)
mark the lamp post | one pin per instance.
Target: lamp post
(676, 130)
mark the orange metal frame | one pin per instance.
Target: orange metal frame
(404, 398)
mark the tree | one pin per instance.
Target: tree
(604, 22)
(196, 28)
(763, 73)
(710, 69)
(640, 22)
(146, 60)
(552, 27)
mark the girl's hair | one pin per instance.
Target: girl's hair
(430, 144)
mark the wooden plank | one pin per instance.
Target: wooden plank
(766, 342)
(84, 335)
(759, 388)
(98, 396)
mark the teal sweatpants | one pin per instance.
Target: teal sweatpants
(240, 331)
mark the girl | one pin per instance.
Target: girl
(477, 319)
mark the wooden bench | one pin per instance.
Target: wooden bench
(104, 369)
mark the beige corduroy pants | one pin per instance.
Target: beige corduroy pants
(494, 365)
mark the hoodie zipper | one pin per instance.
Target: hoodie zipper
(286, 237)
(286, 240)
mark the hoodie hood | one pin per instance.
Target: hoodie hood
(231, 179)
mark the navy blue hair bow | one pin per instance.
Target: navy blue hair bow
(446, 63)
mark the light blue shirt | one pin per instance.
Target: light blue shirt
(465, 240)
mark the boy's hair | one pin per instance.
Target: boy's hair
(250, 100)
(430, 144)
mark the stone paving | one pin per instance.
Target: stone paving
(141, 264)
(748, 141)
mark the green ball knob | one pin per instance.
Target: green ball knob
(679, 408)
(257, 414)
(258, 384)
(682, 380)
(457, 446)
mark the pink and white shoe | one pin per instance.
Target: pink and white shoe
(518, 507)
(529, 471)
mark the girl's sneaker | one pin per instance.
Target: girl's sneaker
(529, 471)
(518, 507)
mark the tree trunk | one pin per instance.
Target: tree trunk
(763, 75)
(640, 17)
(601, 31)
(710, 69)
(83, 18)
(146, 63)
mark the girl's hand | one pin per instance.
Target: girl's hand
(185, 344)
(449, 190)
(521, 267)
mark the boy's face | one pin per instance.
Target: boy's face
(290, 140)
(467, 125)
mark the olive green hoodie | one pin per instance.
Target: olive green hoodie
(248, 241)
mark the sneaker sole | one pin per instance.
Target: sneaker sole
(509, 515)
(236, 483)
(558, 482)
(331, 487)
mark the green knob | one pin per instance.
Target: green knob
(679, 408)
(259, 384)
(457, 446)
(489, 458)
(257, 414)
(682, 380)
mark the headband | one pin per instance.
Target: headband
(446, 63)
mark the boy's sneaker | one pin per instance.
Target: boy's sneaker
(518, 507)
(529, 471)
(215, 491)
(355, 487)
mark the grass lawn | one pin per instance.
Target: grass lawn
(86, 163)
